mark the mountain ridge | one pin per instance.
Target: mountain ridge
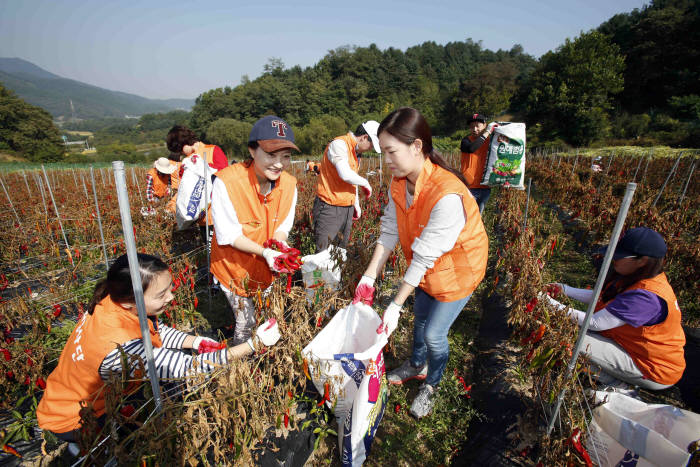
(54, 93)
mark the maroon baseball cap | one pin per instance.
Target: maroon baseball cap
(272, 134)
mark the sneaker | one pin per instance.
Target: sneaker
(423, 403)
(406, 372)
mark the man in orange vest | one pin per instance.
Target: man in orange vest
(635, 334)
(337, 203)
(475, 149)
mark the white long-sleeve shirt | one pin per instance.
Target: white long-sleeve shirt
(170, 362)
(447, 219)
(600, 321)
(339, 157)
(226, 224)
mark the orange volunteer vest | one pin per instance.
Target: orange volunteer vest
(657, 350)
(76, 380)
(160, 182)
(473, 163)
(331, 188)
(260, 216)
(174, 184)
(458, 272)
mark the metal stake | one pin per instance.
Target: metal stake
(58, 216)
(619, 223)
(687, 182)
(10, 200)
(99, 218)
(634, 178)
(668, 177)
(527, 203)
(129, 241)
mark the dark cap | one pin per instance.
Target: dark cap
(272, 134)
(476, 118)
(640, 241)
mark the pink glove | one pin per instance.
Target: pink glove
(367, 190)
(357, 212)
(365, 291)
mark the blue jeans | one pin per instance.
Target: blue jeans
(481, 195)
(433, 320)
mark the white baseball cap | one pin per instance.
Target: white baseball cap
(371, 127)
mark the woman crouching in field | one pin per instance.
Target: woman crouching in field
(635, 333)
(91, 356)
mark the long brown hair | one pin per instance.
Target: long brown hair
(118, 284)
(616, 283)
(407, 125)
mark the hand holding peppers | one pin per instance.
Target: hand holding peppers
(286, 260)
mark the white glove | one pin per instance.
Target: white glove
(357, 211)
(366, 280)
(269, 254)
(490, 127)
(391, 318)
(268, 334)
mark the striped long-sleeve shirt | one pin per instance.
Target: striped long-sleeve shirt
(170, 362)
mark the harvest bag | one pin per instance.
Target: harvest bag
(505, 164)
(190, 202)
(628, 432)
(321, 270)
(348, 355)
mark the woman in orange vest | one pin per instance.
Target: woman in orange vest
(90, 356)
(475, 148)
(251, 203)
(636, 334)
(159, 179)
(437, 223)
(182, 140)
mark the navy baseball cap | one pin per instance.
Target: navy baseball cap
(640, 241)
(476, 118)
(272, 134)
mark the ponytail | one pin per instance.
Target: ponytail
(118, 284)
(437, 159)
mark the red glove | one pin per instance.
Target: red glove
(365, 291)
(209, 345)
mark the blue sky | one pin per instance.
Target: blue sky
(177, 48)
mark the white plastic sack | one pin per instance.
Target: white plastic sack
(628, 432)
(348, 354)
(505, 163)
(320, 268)
(191, 203)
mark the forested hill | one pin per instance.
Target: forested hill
(54, 93)
(356, 83)
(633, 80)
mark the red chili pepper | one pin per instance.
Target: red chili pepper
(10, 374)
(575, 441)
(207, 346)
(10, 450)
(306, 369)
(27, 381)
(326, 396)
(56, 311)
(397, 408)
(319, 321)
(288, 289)
(286, 419)
(554, 244)
(531, 305)
(196, 302)
(7, 354)
(539, 334)
(289, 393)
(127, 411)
(41, 384)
